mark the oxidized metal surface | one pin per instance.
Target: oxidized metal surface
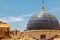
(43, 21)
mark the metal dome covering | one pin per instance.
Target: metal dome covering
(43, 21)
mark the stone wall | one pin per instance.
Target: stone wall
(36, 33)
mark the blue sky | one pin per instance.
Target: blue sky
(18, 12)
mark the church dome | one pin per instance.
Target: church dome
(4, 25)
(42, 21)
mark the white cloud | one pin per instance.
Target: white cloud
(16, 19)
(11, 19)
(56, 9)
(28, 15)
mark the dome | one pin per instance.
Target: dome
(42, 21)
(3, 24)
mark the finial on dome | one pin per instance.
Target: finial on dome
(43, 7)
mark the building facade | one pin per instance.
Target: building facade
(41, 26)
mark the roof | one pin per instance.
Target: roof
(3, 24)
(43, 21)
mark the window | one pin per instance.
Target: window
(42, 36)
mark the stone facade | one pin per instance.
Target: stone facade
(37, 33)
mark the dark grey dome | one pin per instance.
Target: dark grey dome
(43, 21)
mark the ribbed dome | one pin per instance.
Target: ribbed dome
(3, 24)
(43, 21)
